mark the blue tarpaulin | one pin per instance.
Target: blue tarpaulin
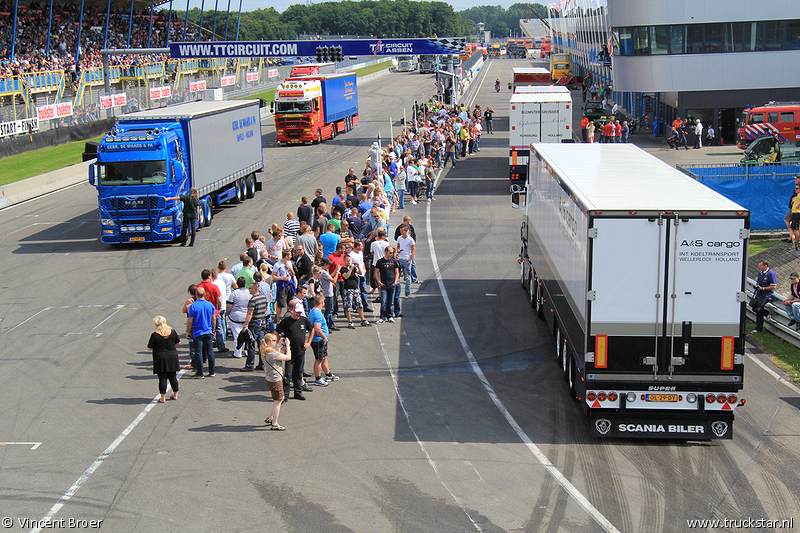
(762, 189)
(767, 200)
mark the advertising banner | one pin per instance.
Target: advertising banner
(199, 85)
(16, 127)
(350, 47)
(272, 73)
(158, 93)
(46, 112)
(224, 81)
(252, 76)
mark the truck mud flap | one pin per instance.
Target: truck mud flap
(699, 426)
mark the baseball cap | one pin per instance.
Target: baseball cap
(298, 308)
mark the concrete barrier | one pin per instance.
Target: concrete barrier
(26, 189)
(22, 190)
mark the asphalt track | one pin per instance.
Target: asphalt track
(455, 419)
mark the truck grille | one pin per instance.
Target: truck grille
(133, 206)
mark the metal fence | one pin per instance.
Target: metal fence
(735, 171)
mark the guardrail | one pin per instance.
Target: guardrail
(778, 321)
(736, 171)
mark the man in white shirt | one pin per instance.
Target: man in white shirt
(224, 286)
(406, 248)
(376, 249)
(356, 253)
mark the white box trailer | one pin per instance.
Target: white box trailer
(639, 272)
(541, 89)
(536, 117)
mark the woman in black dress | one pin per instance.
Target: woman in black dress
(165, 357)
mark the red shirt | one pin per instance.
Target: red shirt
(212, 293)
(608, 130)
(336, 260)
(619, 130)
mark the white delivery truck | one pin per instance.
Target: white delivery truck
(639, 272)
(536, 117)
(527, 89)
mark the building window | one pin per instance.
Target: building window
(711, 38)
(659, 40)
(641, 41)
(676, 39)
(694, 39)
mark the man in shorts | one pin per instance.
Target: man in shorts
(351, 296)
(283, 274)
(319, 343)
(297, 329)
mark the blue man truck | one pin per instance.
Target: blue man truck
(214, 146)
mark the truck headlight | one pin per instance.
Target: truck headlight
(107, 222)
(165, 220)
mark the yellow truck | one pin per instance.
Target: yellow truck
(560, 66)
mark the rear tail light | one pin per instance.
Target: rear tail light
(722, 398)
(631, 397)
(710, 398)
(732, 398)
(601, 396)
(612, 396)
(591, 396)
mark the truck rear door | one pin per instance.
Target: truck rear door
(664, 294)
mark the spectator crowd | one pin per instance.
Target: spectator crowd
(327, 265)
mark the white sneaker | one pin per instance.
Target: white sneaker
(390, 319)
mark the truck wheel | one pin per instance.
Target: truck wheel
(208, 213)
(333, 131)
(237, 196)
(565, 358)
(250, 183)
(523, 282)
(537, 298)
(571, 380)
(558, 344)
(242, 190)
(201, 222)
(319, 137)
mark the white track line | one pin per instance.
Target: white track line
(598, 517)
(428, 457)
(96, 464)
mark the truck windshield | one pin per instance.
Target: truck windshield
(133, 173)
(297, 106)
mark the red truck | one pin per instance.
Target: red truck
(315, 108)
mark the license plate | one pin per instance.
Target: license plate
(661, 397)
(136, 239)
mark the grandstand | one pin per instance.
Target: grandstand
(49, 76)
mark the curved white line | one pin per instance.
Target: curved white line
(598, 517)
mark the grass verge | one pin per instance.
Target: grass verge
(23, 166)
(785, 355)
(755, 247)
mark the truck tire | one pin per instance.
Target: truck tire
(571, 379)
(242, 190)
(208, 212)
(565, 358)
(333, 131)
(250, 184)
(558, 344)
(237, 196)
(537, 297)
(201, 222)
(319, 137)
(522, 270)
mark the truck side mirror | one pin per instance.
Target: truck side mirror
(177, 171)
(272, 107)
(316, 105)
(91, 174)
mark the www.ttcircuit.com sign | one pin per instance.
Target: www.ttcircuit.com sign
(350, 47)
